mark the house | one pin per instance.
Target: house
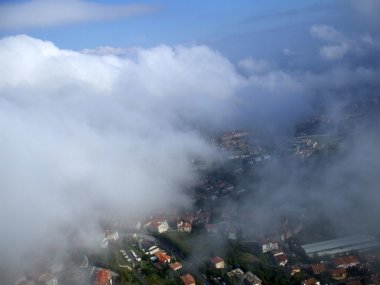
(268, 245)
(231, 232)
(187, 279)
(111, 235)
(217, 262)
(188, 218)
(184, 227)
(294, 270)
(281, 259)
(153, 249)
(346, 261)
(103, 277)
(162, 257)
(318, 268)
(245, 278)
(252, 279)
(277, 252)
(311, 281)
(158, 226)
(338, 273)
(235, 273)
(175, 266)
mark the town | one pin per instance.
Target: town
(217, 242)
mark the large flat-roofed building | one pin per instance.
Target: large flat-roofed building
(341, 246)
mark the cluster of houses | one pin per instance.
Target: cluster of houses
(305, 146)
(268, 245)
(336, 269)
(109, 236)
(235, 140)
(238, 275)
(160, 259)
(182, 223)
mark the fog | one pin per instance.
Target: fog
(112, 130)
(84, 135)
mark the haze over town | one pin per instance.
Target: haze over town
(205, 129)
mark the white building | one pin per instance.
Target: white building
(184, 227)
(158, 226)
(268, 245)
(111, 235)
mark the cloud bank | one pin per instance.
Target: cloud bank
(109, 130)
(46, 13)
(87, 135)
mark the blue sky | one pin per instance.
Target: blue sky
(234, 27)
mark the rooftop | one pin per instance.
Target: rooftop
(340, 245)
(216, 259)
(187, 279)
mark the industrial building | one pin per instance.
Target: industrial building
(341, 246)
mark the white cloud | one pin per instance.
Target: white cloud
(326, 33)
(339, 46)
(85, 134)
(251, 65)
(43, 13)
(334, 52)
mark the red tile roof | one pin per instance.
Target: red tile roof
(188, 279)
(338, 273)
(216, 259)
(345, 261)
(175, 266)
(162, 256)
(310, 281)
(318, 268)
(103, 277)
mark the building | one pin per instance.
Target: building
(318, 268)
(231, 232)
(281, 259)
(341, 246)
(338, 273)
(111, 235)
(153, 249)
(252, 279)
(162, 257)
(268, 245)
(175, 266)
(217, 262)
(245, 278)
(187, 279)
(235, 273)
(103, 277)
(294, 270)
(346, 261)
(311, 281)
(158, 226)
(184, 227)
